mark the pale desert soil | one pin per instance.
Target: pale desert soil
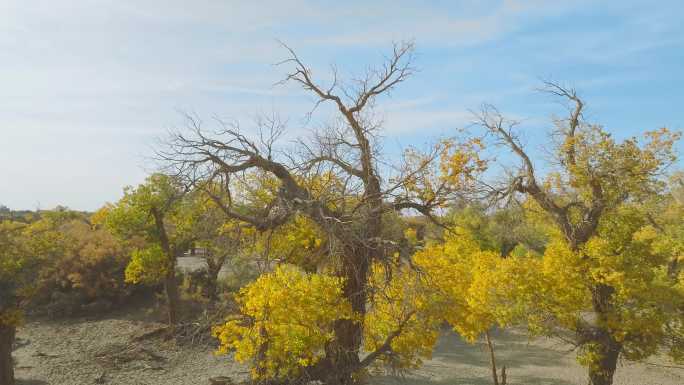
(537, 362)
(84, 351)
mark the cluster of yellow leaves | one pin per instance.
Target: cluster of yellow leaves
(298, 242)
(288, 319)
(327, 188)
(453, 166)
(91, 261)
(147, 265)
(411, 236)
(65, 253)
(59, 251)
(403, 307)
(624, 167)
(546, 292)
(623, 257)
(467, 281)
(461, 162)
(454, 281)
(255, 189)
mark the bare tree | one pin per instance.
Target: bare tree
(350, 210)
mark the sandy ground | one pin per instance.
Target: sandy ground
(537, 362)
(97, 352)
(91, 352)
(195, 263)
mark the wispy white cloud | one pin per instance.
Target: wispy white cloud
(85, 85)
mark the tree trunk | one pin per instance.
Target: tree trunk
(171, 289)
(212, 281)
(601, 373)
(342, 353)
(507, 248)
(606, 347)
(673, 268)
(6, 365)
(170, 282)
(260, 358)
(349, 333)
(212, 287)
(492, 359)
(214, 265)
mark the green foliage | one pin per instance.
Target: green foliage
(505, 230)
(61, 254)
(17, 268)
(152, 211)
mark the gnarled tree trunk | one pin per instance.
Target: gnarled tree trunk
(7, 334)
(342, 354)
(606, 348)
(213, 269)
(608, 352)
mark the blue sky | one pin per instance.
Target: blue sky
(87, 86)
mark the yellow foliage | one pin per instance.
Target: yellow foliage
(288, 319)
(11, 317)
(297, 242)
(471, 283)
(460, 162)
(147, 265)
(403, 307)
(624, 257)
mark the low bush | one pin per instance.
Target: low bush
(85, 271)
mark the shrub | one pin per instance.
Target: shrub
(86, 265)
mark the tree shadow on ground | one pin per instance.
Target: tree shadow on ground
(455, 362)
(137, 308)
(465, 380)
(20, 381)
(511, 349)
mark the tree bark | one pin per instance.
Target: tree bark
(602, 372)
(213, 270)
(7, 334)
(607, 348)
(171, 289)
(342, 355)
(260, 358)
(170, 282)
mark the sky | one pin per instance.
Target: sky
(88, 87)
